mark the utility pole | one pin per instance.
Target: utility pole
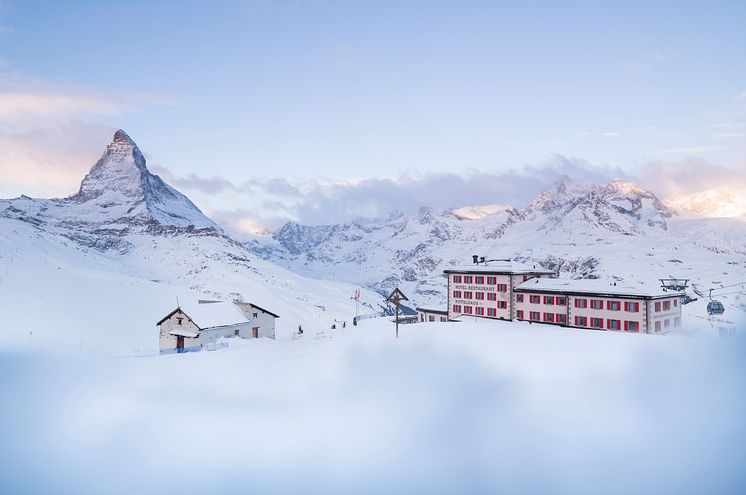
(396, 297)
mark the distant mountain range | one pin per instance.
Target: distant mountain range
(611, 230)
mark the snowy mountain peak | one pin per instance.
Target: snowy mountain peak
(622, 186)
(121, 169)
(118, 197)
(121, 137)
(478, 211)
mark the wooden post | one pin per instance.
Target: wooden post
(396, 297)
(397, 318)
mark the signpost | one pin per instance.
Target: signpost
(396, 297)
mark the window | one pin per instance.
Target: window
(632, 307)
(534, 315)
(502, 304)
(534, 299)
(519, 314)
(632, 326)
(491, 312)
(431, 318)
(581, 303)
(613, 324)
(457, 279)
(456, 308)
(468, 310)
(677, 322)
(657, 326)
(468, 295)
(457, 294)
(479, 280)
(443, 318)
(549, 317)
(502, 287)
(675, 302)
(561, 301)
(519, 298)
(548, 300)
(491, 296)
(666, 323)
(597, 304)
(235, 332)
(479, 311)
(468, 279)
(491, 280)
(613, 305)
(666, 305)
(561, 318)
(479, 295)
(597, 322)
(581, 321)
(179, 320)
(657, 307)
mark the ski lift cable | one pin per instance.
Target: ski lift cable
(727, 286)
(729, 293)
(712, 268)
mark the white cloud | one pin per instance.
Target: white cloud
(692, 150)
(22, 105)
(729, 135)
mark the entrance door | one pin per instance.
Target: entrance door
(179, 343)
(255, 333)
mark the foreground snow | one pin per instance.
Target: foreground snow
(470, 407)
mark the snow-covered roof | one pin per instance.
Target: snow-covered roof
(502, 267)
(592, 287)
(212, 314)
(184, 332)
(428, 310)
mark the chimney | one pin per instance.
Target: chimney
(475, 259)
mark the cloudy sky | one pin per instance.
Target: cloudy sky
(319, 110)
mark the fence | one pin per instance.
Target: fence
(356, 319)
(212, 346)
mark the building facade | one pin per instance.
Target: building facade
(509, 291)
(192, 326)
(430, 315)
(486, 289)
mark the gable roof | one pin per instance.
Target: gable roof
(397, 294)
(265, 310)
(210, 315)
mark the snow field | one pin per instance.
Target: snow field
(471, 407)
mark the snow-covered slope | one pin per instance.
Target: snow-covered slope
(613, 230)
(727, 200)
(108, 262)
